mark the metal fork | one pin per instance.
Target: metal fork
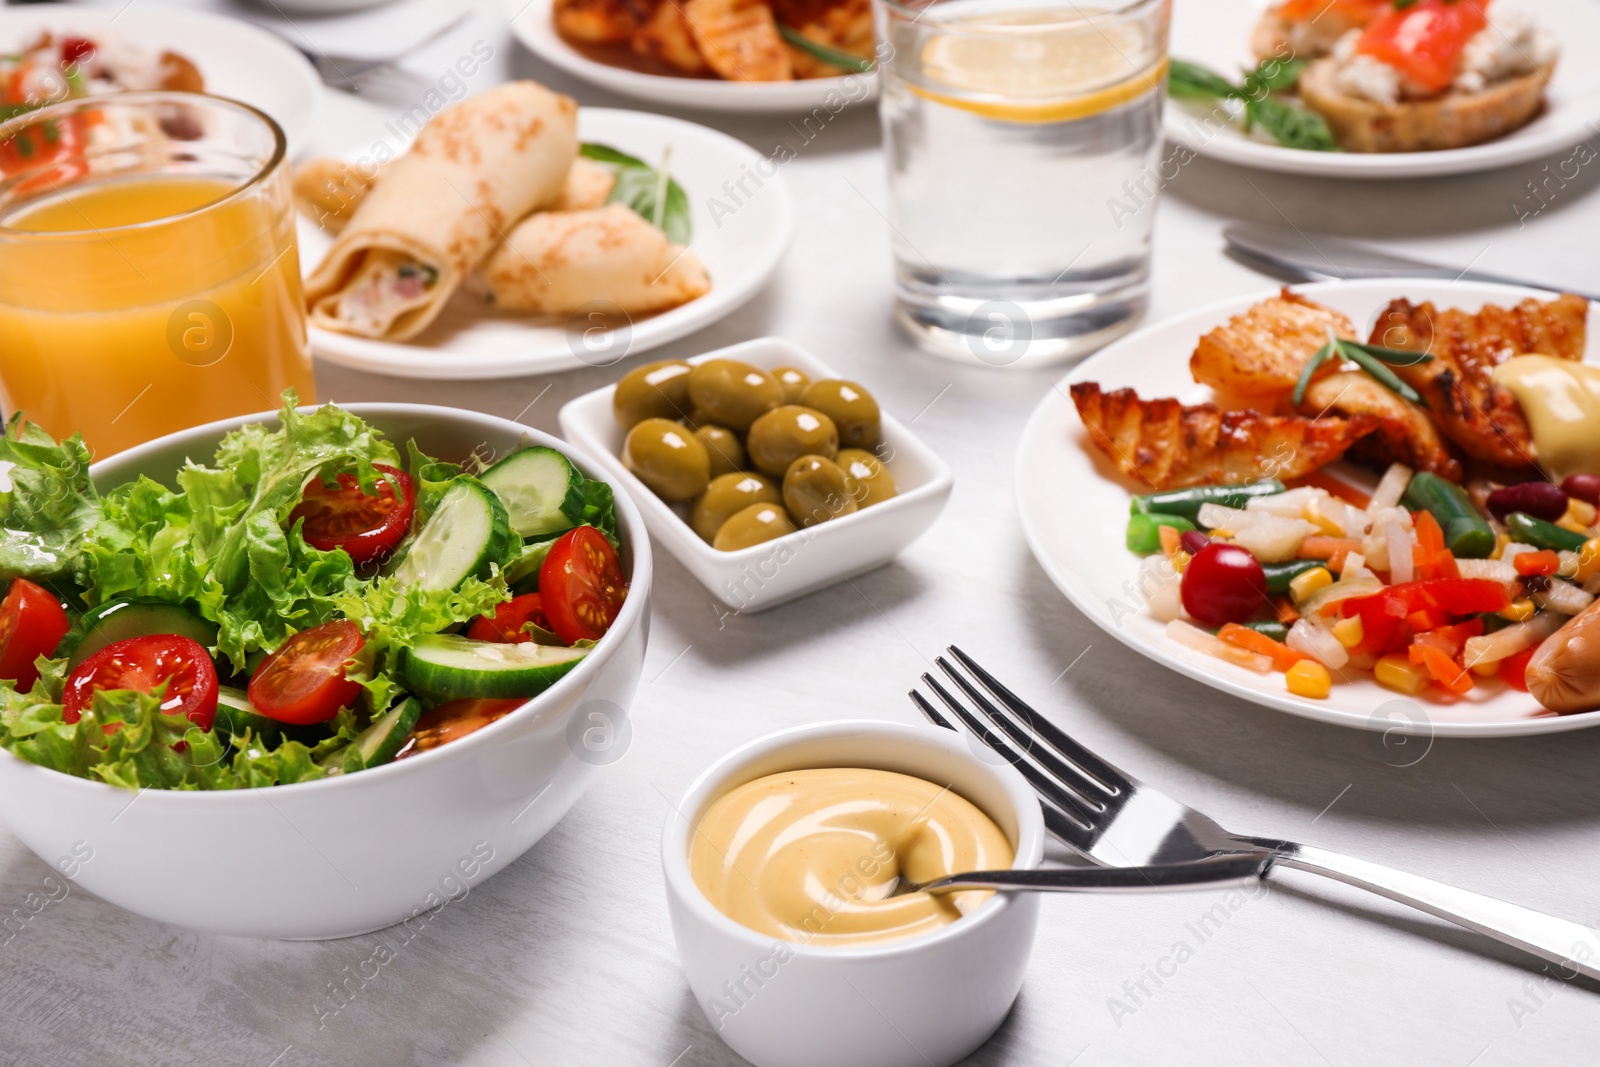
(1114, 819)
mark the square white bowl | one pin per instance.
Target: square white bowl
(768, 574)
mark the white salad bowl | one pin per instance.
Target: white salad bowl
(923, 1001)
(776, 571)
(355, 853)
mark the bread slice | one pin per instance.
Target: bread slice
(1454, 120)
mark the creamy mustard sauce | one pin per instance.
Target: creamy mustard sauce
(812, 855)
(1561, 401)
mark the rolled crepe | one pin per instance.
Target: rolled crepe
(588, 184)
(556, 262)
(473, 171)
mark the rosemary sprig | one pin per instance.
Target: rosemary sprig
(1380, 371)
(827, 55)
(1374, 359)
(1310, 368)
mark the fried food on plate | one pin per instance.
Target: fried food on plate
(1479, 417)
(1403, 432)
(1168, 445)
(1261, 352)
(739, 39)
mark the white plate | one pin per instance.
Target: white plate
(239, 61)
(1075, 524)
(531, 24)
(740, 245)
(1217, 33)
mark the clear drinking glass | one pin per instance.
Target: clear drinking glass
(1022, 140)
(149, 277)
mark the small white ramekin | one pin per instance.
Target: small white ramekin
(922, 1001)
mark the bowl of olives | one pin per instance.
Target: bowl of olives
(761, 470)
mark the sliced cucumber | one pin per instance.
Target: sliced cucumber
(541, 489)
(235, 716)
(379, 743)
(447, 667)
(118, 620)
(466, 533)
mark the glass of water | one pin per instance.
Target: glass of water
(1023, 143)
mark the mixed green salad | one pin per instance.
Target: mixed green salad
(314, 602)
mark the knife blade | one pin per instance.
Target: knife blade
(1322, 257)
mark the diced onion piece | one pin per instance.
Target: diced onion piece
(1199, 640)
(1564, 598)
(1306, 636)
(1162, 588)
(1492, 648)
(1391, 487)
(1497, 570)
(1570, 562)
(1355, 566)
(1356, 521)
(1271, 539)
(1400, 541)
(1342, 590)
(1217, 517)
(1287, 505)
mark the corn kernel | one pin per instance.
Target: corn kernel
(1396, 671)
(1308, 678)
(1180, 560)
(1501, 540)
(1220, 532)
(1349, 632)
(1521, 610)
(1589, 560)
(1303, 585)
(1580, 511)
(1567, 522)
(1313, 514)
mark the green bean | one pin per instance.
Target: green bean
(1279, 575)
(1272, 628)
(1540, 534)
(1144, 530)
(1466, 532)
(1187, 502)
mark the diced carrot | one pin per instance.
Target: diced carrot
(1323, 480)
(1430, 535)
(1530, 563)
(1514, 668)
(1318, 547)
(1446, 671)
(1424, 619)
(1171, 540)
(1282, 656)
(1285, 610)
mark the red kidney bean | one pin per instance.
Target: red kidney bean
(1539, 499)
(1585, 487)
(1194, 541)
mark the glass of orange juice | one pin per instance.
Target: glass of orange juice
(149, 278)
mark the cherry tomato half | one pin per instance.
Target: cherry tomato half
(452, 721)
(367, 527)
(505, 623)
(1223, 583)
(581, 585)
(303, 682)
(143, 664)
(32, 624)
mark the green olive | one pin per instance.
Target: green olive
(753, 525)
(733, 394)
(815, 490)
(851, 408)
(728, 495)
(667, 457)
(794, 383)
(722, 445)
(654, 391)
(784, 434)
(869, 480)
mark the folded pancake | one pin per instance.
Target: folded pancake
(556, 262)
(471, 173)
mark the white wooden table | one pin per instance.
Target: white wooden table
(567, 957)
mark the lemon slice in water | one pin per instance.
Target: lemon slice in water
(1037, 65)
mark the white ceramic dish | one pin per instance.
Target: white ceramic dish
(237, 60)
(531, 24)
(739, 241)
(918, 1002)
(344, 855)
(766, 575)
(1076, 532)
(1216, 34)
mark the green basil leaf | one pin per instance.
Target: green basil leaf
(1190, 81)
(1292, 126)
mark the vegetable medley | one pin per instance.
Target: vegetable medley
(312, 603)
(1433, 589)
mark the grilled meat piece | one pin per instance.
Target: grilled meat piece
(739, 40)
(1262, 351)
(1403, 432)
(1167, 444)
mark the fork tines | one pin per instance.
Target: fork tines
(1078, 790)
